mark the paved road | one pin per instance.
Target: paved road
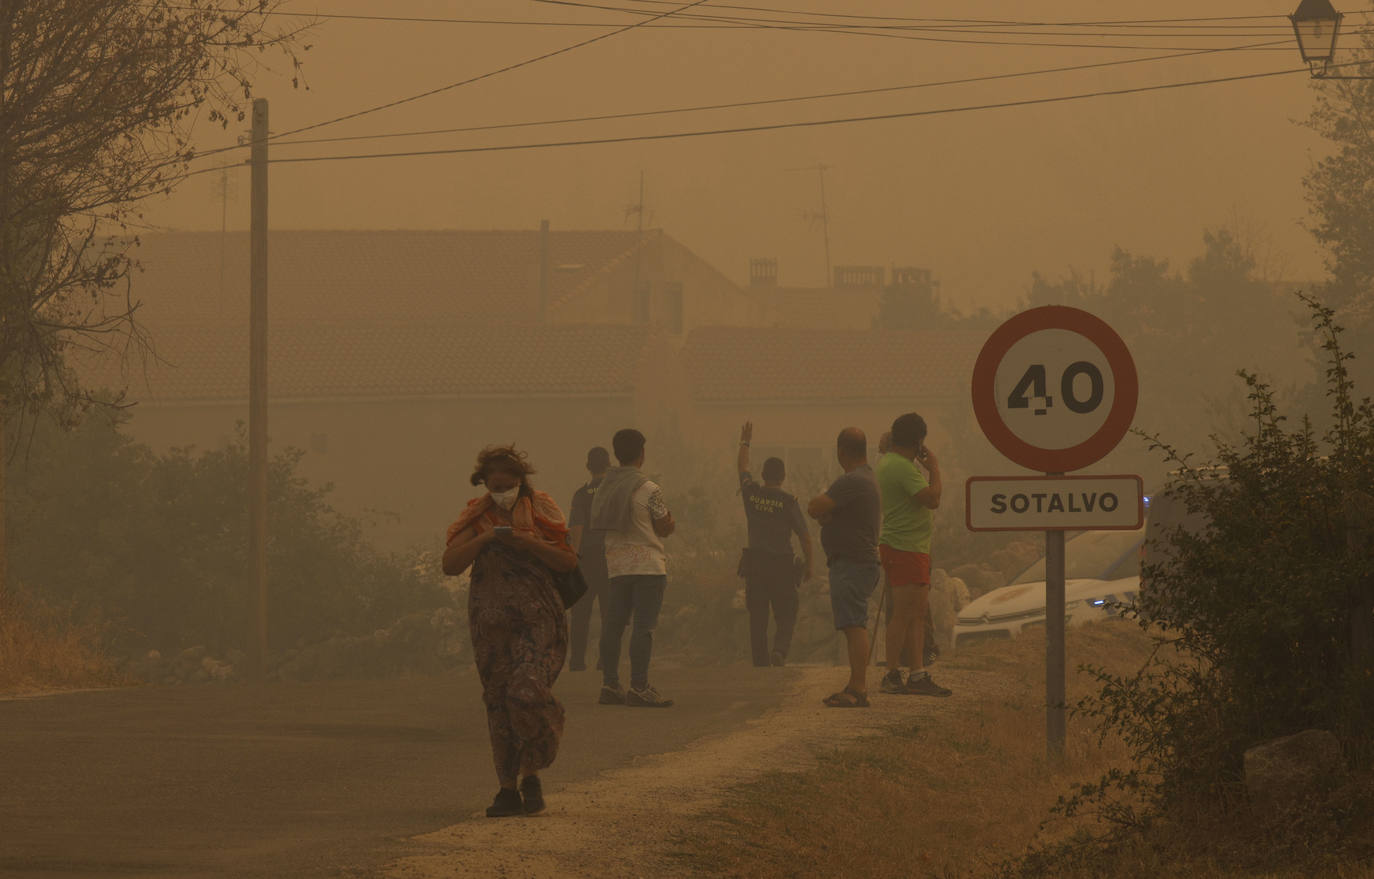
(322, 779)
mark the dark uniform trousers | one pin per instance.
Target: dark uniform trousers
(593, 566)
(770, 581)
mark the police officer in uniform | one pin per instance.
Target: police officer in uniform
(772, 575)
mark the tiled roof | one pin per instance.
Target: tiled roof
(730, 364)
(384, 359)
(820, 307)
(370, 275)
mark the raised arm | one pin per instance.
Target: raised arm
(746, 436)
(929, 497)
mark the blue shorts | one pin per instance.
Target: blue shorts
(851, 584)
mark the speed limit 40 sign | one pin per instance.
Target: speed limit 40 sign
(1054, 389)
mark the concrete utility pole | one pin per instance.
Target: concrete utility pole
(257, 383)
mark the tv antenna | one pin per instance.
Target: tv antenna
(821, 217)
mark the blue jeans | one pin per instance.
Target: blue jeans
(639, 596)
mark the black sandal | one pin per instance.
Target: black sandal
(846, 698)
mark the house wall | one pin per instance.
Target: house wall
(708, 298)
(403, 465)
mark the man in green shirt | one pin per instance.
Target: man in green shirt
(909, 502)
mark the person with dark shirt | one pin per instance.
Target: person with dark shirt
(850, 514)
(771, 574)
(591, 549)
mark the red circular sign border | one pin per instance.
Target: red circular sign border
(1095, 447)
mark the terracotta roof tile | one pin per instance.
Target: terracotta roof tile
(730, 364)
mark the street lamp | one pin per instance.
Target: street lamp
(1317, 25)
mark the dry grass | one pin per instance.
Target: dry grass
(42, 649)
(953, 797)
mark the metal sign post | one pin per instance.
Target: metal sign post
(1054, 389)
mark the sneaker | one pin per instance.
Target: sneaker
(533, 794)
(646, 697)
(506, 804)
(611, 695)
(924, 686)
(892, 682)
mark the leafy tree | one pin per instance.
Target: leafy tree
(98, 100)
(1337, 188)
(1179, 325)
(97, 105)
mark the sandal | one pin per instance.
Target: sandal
(846, 698)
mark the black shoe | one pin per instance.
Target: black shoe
(611, 695)
(506, 804)
(924, 686)
(646, 697)
(892, 682)
(533, 792)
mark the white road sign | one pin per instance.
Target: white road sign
(1055, 503)
(1054, 389)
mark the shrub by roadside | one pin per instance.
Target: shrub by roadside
(43, 649)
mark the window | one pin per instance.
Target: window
(642, 292)
(673, 305)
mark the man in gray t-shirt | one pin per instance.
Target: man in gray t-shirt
(850, 514)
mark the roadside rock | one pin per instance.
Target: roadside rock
(1282, 773)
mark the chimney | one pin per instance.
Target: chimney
(543, 271)
(763, 272)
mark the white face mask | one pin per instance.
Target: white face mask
(506, 499)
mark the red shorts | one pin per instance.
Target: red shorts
(905, 568)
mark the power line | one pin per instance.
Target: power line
(1133, 22)
(805, 27)
(782, 125)
(757, 103)
(491, 73)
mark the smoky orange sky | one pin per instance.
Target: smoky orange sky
(981, 198)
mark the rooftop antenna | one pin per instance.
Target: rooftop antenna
(822, 216)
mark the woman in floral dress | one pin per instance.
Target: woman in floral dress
(515, 538)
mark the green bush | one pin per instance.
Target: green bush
(157, 544)
(1261, 606)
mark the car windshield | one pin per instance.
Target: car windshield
(1094, 555)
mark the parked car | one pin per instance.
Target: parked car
(1101, 568)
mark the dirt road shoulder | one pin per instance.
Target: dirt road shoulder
(622, 823)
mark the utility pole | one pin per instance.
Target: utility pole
(257, 383)
(822, 216)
